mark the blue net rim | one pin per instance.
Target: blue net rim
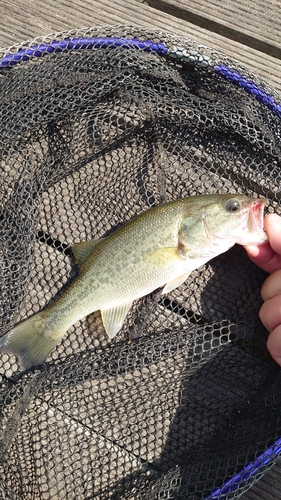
(249, 471)
(78, 43)
(235, 78)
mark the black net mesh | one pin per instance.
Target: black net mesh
(185, 402)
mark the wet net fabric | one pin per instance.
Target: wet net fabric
(185, 402)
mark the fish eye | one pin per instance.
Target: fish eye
(232, 205)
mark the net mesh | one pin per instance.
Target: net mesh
(185, 401)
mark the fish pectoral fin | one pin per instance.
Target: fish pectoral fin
(114, 318)
(164, 256)
(82, 250)
(175, 283)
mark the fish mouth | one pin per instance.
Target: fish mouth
(254, 233)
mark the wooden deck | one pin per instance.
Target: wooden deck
(246, 31)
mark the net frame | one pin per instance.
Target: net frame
(184, 51)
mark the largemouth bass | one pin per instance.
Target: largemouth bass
(158, 248)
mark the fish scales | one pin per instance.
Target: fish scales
(103, 277)
(158, 248)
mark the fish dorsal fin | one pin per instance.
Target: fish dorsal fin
(82, 250)
(175, 283)
(114, 317)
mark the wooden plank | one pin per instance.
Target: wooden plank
(255, 23)
(268, 487)
(22, 21)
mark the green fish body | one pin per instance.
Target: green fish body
(158, 248)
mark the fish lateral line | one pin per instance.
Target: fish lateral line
(157, 248)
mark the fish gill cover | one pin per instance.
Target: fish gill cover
(96, 127)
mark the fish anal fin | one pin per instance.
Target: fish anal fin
(175, 283)
(83, 249)
(114, 318)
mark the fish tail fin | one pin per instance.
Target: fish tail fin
(32, 340)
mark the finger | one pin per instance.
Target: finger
(274, 344)
(272, 226)
(270, 313)
(268, 255)
(272, 286)
(262, 256)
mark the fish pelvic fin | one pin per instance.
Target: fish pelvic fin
(114, 318)
(175, 283)
(31, 340)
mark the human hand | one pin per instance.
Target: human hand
(268, 257)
